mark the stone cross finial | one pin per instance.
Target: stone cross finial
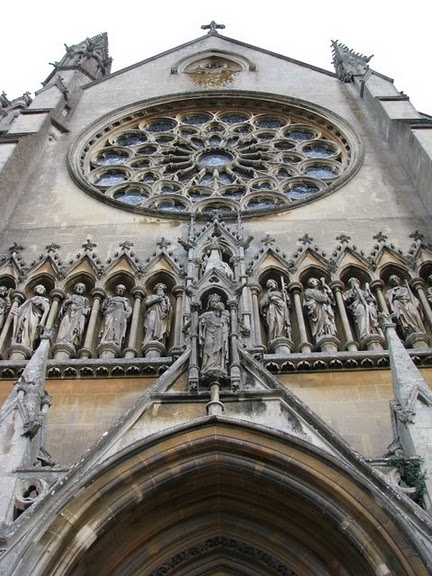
(213, 27)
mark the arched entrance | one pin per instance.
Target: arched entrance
(220, 497)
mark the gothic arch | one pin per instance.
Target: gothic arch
(219, 492)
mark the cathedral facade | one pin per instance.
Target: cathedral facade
(215, 318)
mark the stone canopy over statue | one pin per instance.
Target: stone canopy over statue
(214, 327)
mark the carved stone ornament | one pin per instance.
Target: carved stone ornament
(214, 327)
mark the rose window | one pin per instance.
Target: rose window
(216, 156)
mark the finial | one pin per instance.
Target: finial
(213, 27)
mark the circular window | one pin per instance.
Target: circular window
(214, 155)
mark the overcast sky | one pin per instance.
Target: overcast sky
(397, 33)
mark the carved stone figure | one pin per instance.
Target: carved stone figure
(318, 303)
(157, 322)
(213, 338)
(363, 308)
(214, 260)
(73, 313)
(30, 317)
(4, 304)
(274, 307)
(404, 307)
(116, 312)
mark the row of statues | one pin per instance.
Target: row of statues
(31, 316)
(318, 303)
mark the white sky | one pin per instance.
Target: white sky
(398, 33)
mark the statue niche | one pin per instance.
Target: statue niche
(213, 259)
(214, 326)
(319, 305)
(274, 307)
(116, 312)
(73, 314)
(363, 309)
(28, 320)
(157, 322)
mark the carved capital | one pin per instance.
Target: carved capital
(377, 284)
(177, 290)
(337, 285)
(417, 283)
(98, 293)
(57, 294)
(138, 292)
(18, 296)
(295, 287)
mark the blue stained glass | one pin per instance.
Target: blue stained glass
(234, 118)
(131, 139)
(270, 123)
(301, 191)
(318, 152)
(171, 207)
(112, 158)
(215, 159)
(206, 180)
(225, 178)
(161, 126)
(131, 197)
(299, 135)
(261, 203)
(111, 178)
(322, 172)
(196, 119)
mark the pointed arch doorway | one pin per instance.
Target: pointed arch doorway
(220, 497)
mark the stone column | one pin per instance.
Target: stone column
(350, 344)
(295, 289)
(215, 406)
(87, 350)
(418, 286)
(234, 353)
(255, 289)
(17, 299)
(138, 294)
(193, 375)
(178, 292)
(57, 296)
(377, 286)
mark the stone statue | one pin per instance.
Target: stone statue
(404, 306)
(157, 321)
(116, 312)
(274, 307)
(318, 303)
(30, 317)
(214, 260)
(73, 314)
(363, 308)
(429, 290)
(213, 338)
(4, 304)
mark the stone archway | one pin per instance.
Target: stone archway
(220, 497)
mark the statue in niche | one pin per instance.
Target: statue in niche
(319, 303)
(73, 314)
(214, 260)
(5, 304)
(30, 317)
(363, 308)
(404, 306)
(116, 312)
(274, 306)
(214, 337)
(157, 321)
(429, 290)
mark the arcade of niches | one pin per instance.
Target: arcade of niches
(285, 307)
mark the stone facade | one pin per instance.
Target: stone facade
(218, 264)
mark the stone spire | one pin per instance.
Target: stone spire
(348, 63)
(90, 56)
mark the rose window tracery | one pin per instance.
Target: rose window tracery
(216, 156)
